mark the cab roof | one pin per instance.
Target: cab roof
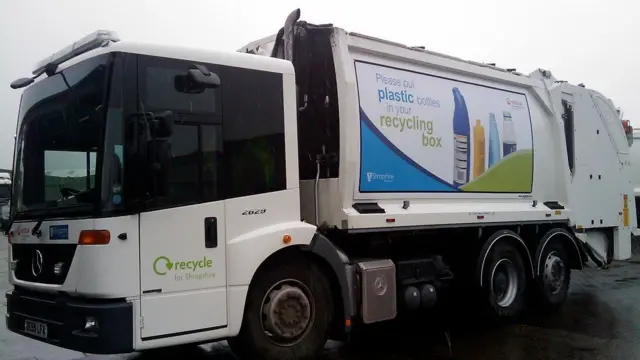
(104, 41)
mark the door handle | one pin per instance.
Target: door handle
(211, 232)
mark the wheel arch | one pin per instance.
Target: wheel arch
(568, 242)
(506, 236)
(334, 265)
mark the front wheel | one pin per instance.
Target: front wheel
(504, 282)
(288, 313)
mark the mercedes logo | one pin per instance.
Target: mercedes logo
(37, 263)
(380, 285)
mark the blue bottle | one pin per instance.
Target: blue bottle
(461, 131)
(494, 140)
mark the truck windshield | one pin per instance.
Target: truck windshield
(60, 142)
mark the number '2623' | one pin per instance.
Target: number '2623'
(254, 212)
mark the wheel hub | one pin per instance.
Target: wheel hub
(500, 283)
(287, 312)
(553, 275)
(504, 282)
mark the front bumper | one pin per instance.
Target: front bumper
(61, 321)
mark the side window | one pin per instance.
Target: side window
(195, 146)
(211, 144)
(254, 145)
(160, 92)
(217, 154)
(569, 133)
(183, 176)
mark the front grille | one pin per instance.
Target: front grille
(27, 256)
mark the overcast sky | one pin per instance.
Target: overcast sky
(597, 43)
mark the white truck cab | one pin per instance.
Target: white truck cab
(310, 184)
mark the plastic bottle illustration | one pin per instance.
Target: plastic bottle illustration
(494, 140)
(509, 144)
(461, 132)
(479, 145)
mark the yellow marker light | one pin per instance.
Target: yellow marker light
(625, 210)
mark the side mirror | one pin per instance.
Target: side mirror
(22, 82)
(163, 123)
(196, 81)
(204, 78)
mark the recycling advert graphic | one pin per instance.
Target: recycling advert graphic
(422, 133)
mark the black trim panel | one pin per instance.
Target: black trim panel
(441, 226)
(157, 337)
(368, 208)
(152, 291)
(324, 248)
(553, 205)
(65, 319)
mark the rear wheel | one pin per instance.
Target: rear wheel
(504, 281)
(288, 313)
(551, 287)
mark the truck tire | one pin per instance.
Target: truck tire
(288, 313)
(504, 282)
(551, 286)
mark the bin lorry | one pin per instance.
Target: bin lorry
(311, 184)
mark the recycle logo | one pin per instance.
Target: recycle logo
(162, 263)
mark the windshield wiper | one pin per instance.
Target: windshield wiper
(48, 208)
(47, 211)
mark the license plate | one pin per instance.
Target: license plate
(35, 328)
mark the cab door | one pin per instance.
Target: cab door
(182, 232)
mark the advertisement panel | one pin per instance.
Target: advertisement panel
(422, 133)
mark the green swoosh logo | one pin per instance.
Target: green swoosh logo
(167, 263)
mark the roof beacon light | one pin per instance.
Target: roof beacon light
(92, 41)
(50, 64)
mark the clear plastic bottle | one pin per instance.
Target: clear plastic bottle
(509, 143)
(461, 132)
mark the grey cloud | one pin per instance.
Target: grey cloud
(578, 41)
